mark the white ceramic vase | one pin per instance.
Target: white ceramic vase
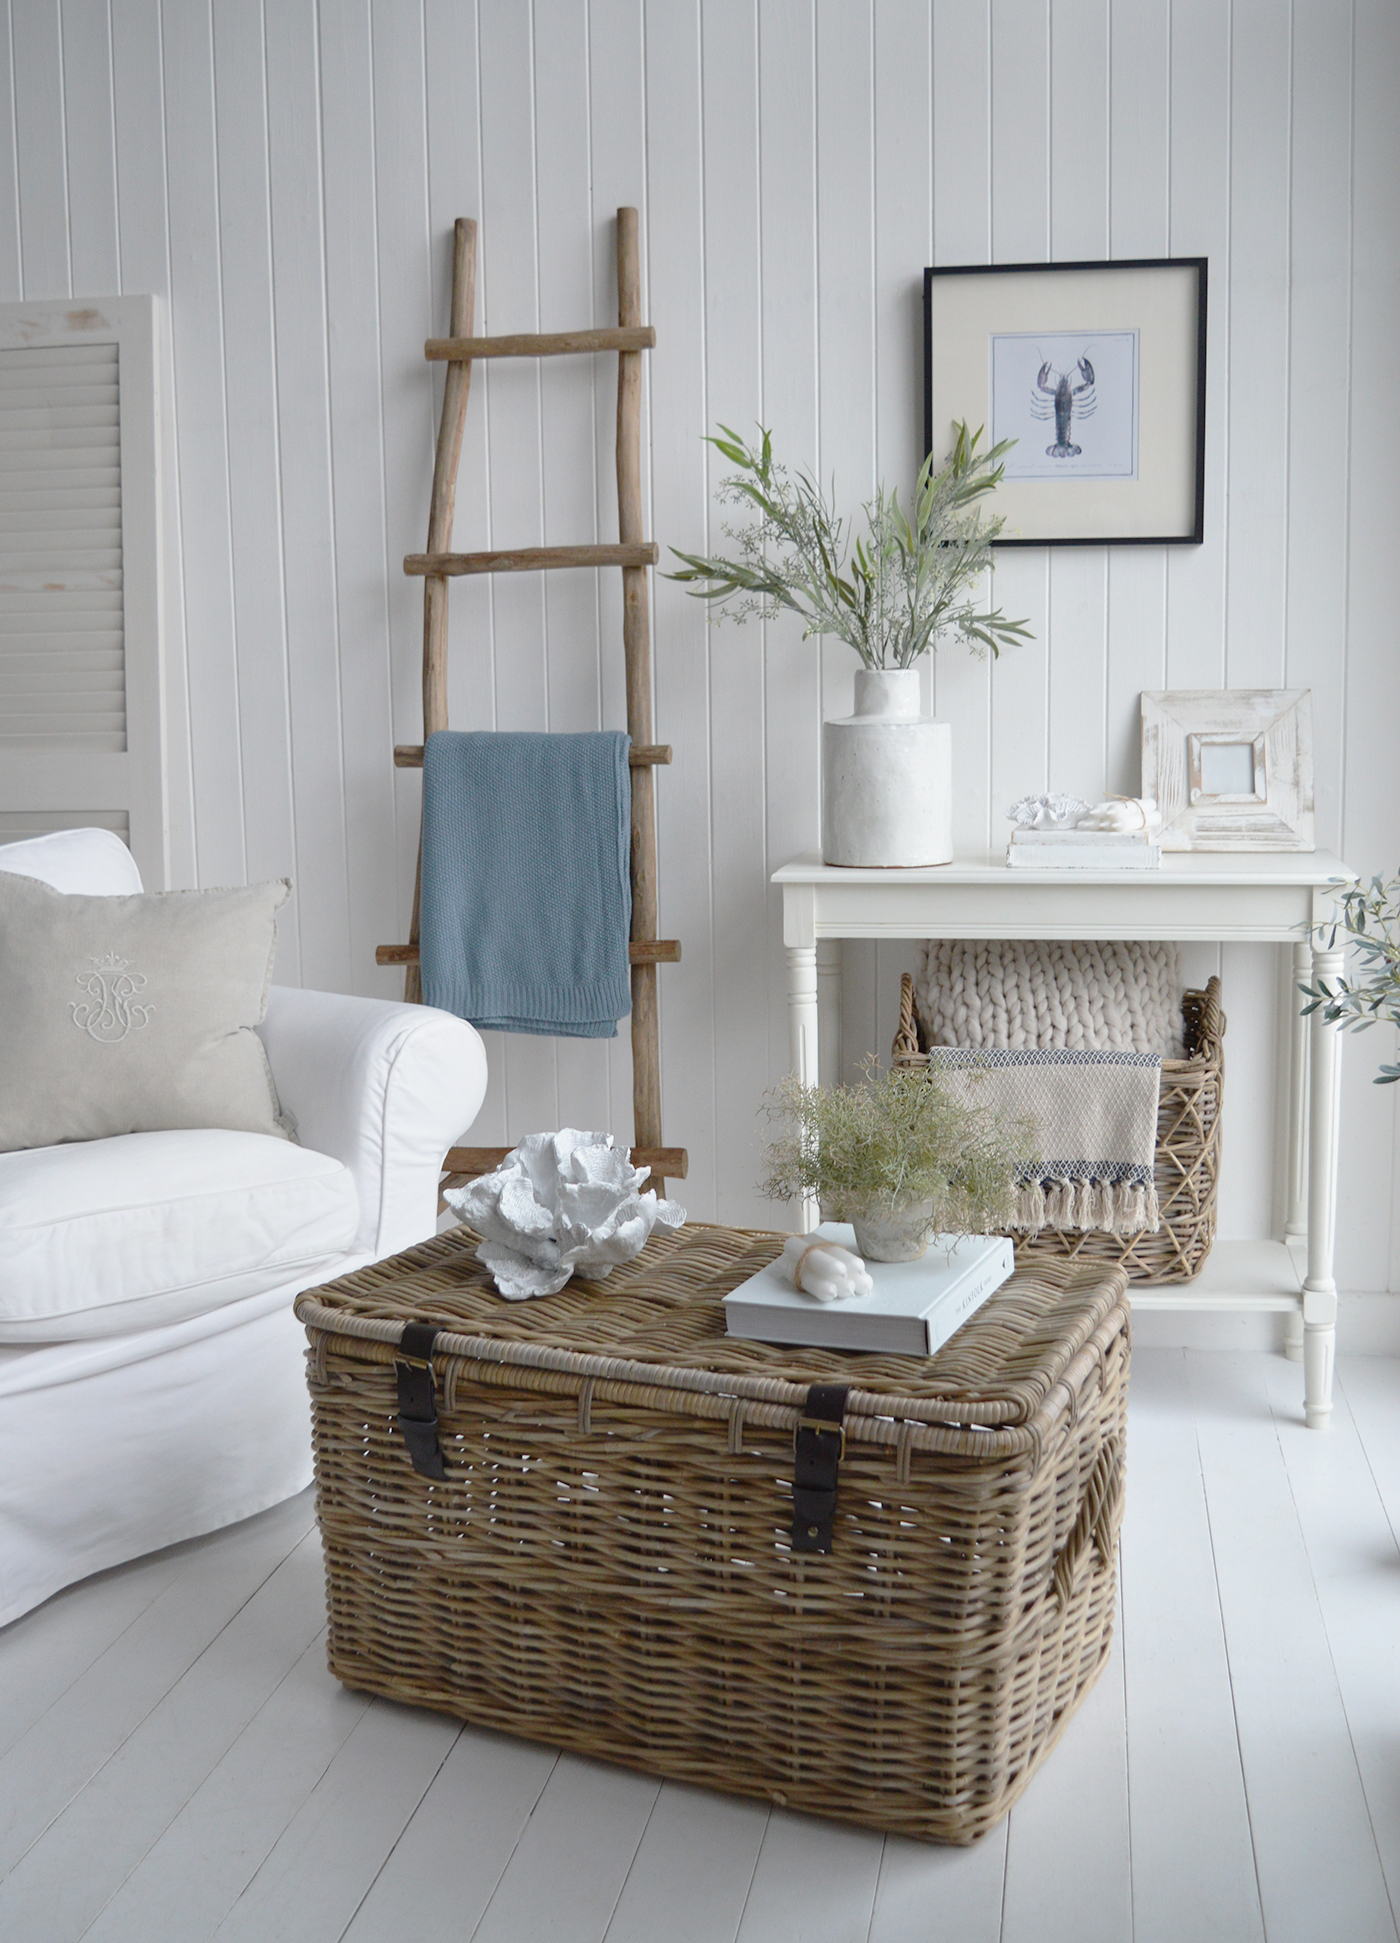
(887, 778)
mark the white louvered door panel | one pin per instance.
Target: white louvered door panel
(81, 728)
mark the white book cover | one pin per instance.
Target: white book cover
(1097, 839)
(912, 1310)
(1120, 856)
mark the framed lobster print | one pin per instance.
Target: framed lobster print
(1097, 373)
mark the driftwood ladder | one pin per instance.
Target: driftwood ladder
(634, 555)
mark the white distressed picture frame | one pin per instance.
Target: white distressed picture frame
(1182, 728)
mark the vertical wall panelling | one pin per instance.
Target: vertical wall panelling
(43, 184)
(1371, 818)
(568, 422)
(733, 390)
(283, 179)
(846, 454)
(1020, 61)
(680, 509)
(366, 572)
(511, 389)
(405, 313)
(326, 816)
(903, 198)
(11, 279)
(962, 233)
(617, 124)
(1200, 226)
(787, 179)
(1078, 592)
(202, 436)
(1139, 147)
(139, 119)
(91, 148)
(255, 508)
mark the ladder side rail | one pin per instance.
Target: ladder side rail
(455, 391)
(636, 639)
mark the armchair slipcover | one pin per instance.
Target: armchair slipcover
(156, 1413)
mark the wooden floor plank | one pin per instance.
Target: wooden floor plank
(567, 1873)
(1185, 1783)
(62, 1882)
(72, 1739)
(45, 1651)
(1067, 1858)
(690, 1877)
(211, 1851)
(927, 1891)
(446, 1865)
(1318, 1868)
(815, 1882)
(1356, 1569)
(322, 1866)
(1372, 1385)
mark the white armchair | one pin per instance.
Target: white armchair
(151, 1369)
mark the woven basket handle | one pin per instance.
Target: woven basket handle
(1100, 1514)
(906, 1041)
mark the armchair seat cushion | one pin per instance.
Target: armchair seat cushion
(100, 1237)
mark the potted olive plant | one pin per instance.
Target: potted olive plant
(904, 585)
(1370, 916)
(899, 1156)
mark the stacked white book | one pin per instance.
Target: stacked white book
(1071, 849)
(912, 1310)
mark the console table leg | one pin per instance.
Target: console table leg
(829, 1009)
(1298, 1051)
(802, 1037)
(1324, 1126)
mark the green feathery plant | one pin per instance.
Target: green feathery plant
(1370, 916)
(899, 1138)
(906, 582)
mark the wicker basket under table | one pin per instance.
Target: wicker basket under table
(607, 1566)
(1186, 1166)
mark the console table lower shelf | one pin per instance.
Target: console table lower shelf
(1277, 899)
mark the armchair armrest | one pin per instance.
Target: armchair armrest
(386, 1089)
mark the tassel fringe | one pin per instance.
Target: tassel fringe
(1114, 1208)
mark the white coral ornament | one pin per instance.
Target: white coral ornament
(559, 1202)
(825, 1269)
(1058, 812)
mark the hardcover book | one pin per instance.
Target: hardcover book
(912, 1310)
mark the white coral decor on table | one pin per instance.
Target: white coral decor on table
(561, 1201)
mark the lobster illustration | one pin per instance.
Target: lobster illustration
(1069, 402)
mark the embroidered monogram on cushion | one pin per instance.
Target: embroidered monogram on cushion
(111, 1011)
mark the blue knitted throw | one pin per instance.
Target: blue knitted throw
(526, 900)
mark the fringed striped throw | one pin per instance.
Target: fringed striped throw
(1095, 1121)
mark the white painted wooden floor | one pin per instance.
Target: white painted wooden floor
(175, 1762)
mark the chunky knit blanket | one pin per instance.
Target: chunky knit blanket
(1095, 1120)
(1070, 1036)
(1015, 995)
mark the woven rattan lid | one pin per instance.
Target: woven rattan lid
(659, 1321)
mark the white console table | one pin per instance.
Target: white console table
(1215, 898)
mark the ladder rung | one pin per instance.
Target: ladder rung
(669, 1163)
(647, 951)
(409, 755)
(533, 559)
(550, 344)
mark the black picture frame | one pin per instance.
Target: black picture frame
(971, 309)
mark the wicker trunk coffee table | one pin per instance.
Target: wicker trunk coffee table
(573, 1519)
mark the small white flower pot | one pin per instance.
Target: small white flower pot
(885, 1234)
(887, 778)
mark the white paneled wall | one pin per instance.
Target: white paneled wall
(285, 175)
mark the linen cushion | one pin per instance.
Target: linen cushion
(101, 1237)
(134, 1014)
